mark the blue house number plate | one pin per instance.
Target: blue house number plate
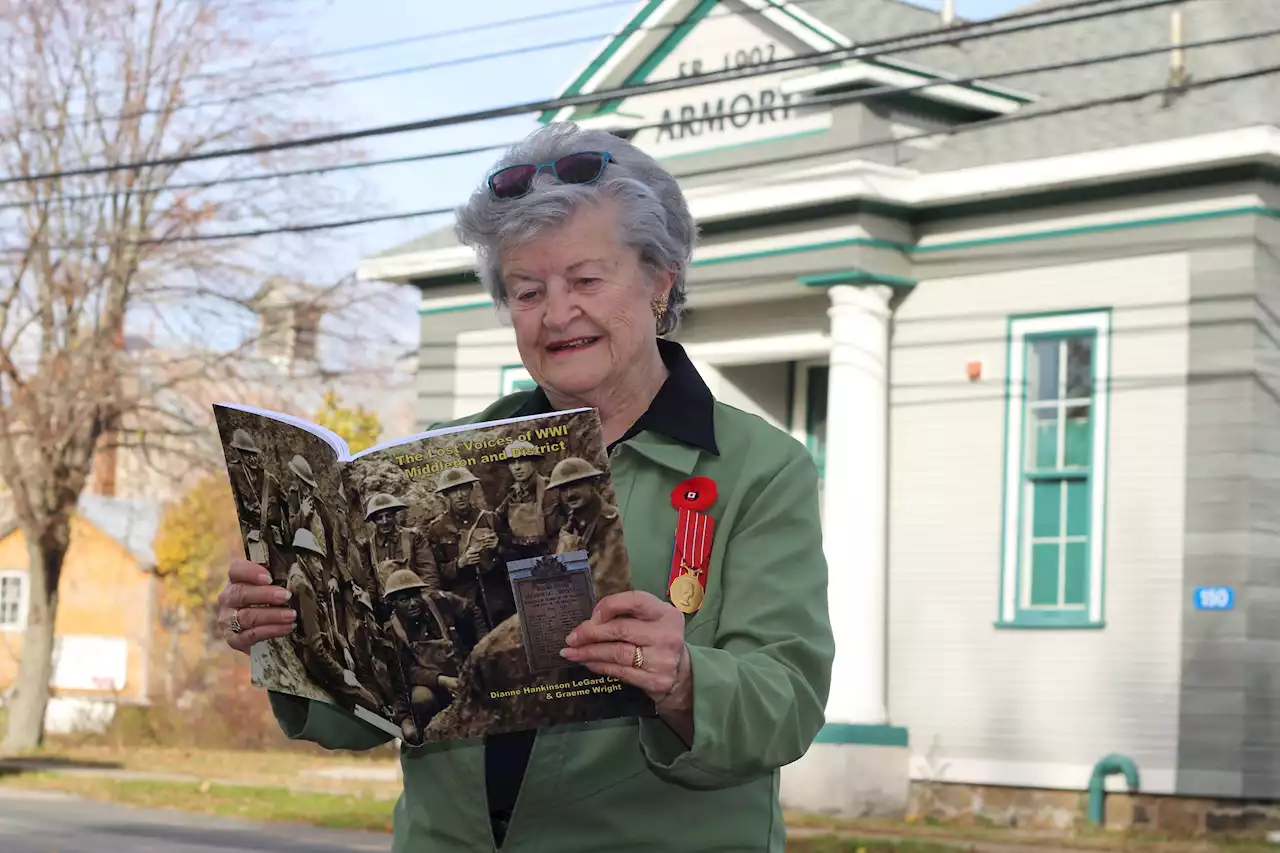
(1215, 598)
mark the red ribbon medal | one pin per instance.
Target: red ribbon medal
(691, 558)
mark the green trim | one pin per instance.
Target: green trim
(448, 309)
(661, 52)
(856, 276)
(1079, 230)
(819, 455)
(868, 735)
(1026, 622)
(791, 216)
(794, 250)
(750, 144)
(872, 242)
(508, 369)
(793, 367)
(603, 56)
(826, 210)
(1107, 192)
(1065, 618)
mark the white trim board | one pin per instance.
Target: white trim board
(761, 350)
(1031, 774)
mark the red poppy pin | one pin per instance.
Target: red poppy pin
(691, 557)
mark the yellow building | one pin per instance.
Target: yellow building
(106, 613)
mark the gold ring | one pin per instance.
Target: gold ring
(637, 660)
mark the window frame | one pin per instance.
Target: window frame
(1015, 508)
(24, 599)
(513, 378)
(801, 414)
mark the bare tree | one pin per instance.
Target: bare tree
(86, 82)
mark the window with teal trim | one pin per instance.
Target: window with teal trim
(1055, 470)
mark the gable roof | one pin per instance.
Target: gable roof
(131, 524)
(658, 27)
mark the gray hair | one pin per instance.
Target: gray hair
(658, 224)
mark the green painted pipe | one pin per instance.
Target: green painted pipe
(1108, 766)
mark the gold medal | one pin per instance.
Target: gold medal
(686, 593)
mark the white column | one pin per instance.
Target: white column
(856, 492)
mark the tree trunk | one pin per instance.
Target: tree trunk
(177, 627)
(35, 669)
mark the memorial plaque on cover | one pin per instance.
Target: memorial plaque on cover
(554, 594)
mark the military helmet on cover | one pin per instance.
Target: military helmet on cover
(381, 502)
(521, 449)
(305, 540)
(302, 468)
(241, 440)
(571, 469)
(401, 580)
(455, 477)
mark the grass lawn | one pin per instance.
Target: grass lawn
(841, 844)
(266, 769)
(263, 804)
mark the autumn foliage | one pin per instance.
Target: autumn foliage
(358, 427)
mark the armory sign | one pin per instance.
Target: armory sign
(726, 113)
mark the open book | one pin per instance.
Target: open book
(435, 576)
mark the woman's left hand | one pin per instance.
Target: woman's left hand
(606, 644)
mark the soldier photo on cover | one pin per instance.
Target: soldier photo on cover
(464, 539)
(307, 509)
(323, 651)
(529, 515)
(393, 546)
(434, 632)
(259, 504)
(591, 525)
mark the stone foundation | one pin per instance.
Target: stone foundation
(1038, 809)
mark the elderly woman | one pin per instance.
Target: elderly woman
(585, 241)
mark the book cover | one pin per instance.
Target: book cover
(435, 576)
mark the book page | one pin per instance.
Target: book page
(295, 519)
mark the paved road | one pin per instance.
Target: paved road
(40, 822)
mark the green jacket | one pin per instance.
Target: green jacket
(761, 649)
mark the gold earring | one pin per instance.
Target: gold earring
(659, 306)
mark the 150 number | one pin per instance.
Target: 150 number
(1215, 598)
(745, 58)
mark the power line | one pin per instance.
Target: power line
(808, 61)
(876, 143)
(405, 70)
(431, 36)
(838, 99)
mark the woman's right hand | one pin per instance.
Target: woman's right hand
(256, 606)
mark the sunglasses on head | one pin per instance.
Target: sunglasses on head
(582, 167)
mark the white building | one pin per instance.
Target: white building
(1038, 361)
